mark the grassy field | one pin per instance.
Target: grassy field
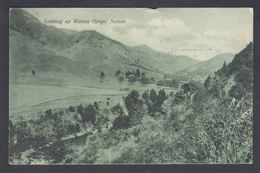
(27, 100)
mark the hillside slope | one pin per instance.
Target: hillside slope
(61, 55)
(166, 62)
(236, 78)
(207, 67)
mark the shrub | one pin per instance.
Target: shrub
(121, 79)
(102, 75)
(72, 109)
(89, 114)
(121, 122)
(237, 91)
(189, 87)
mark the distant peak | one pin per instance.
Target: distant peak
(143, 46)
(92, 33)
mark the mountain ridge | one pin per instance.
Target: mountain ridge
(204, 68)
(91, 50)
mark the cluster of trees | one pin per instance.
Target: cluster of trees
(133, 76)
(130, 76)
(49, 126)
(186, 92)
(88, 113)
(122, 120)
(150, 103)
(154, 101)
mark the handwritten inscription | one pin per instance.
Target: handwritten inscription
(85, 21)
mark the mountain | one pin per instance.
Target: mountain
(61, 55)
(166, 62)
(207, 67)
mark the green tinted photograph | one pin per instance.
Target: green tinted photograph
(130, 86)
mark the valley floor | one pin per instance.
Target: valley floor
(26, 100)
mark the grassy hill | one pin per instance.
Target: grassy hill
(166, 62)
(207, 67)
(62, 56)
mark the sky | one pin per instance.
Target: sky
(200, 33)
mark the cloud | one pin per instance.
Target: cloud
(212, 34)
(172, 25)
(160, 33)
(136, 36)
(228, 41)
(243, 34)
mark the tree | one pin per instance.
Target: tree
(137, 73)
(118, 110)
(154, 102)
(189, 87)
(61, 113)
(134, 106)
(179, 97)
(96, 105)
(224, 67)
(131, 100)
(207, 83)
(237, 91)
(146, 95)
(161, 96)
(121, 79)
(128, 74)
(245, 77)
(118, 72)
(80, 109)
(153, 95)
(121, 122)
(72, 109)
(89, 114)
(102, 75)
(144, 79)
(48, 112)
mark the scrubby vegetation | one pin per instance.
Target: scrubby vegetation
(209, 122)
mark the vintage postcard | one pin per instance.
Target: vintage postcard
(130, 86)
